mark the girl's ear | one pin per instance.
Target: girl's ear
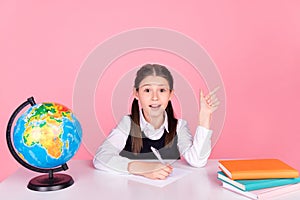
(171, 94)
(135, 93)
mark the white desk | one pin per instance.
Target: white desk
(201, 184)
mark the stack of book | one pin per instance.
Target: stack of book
(258, 178)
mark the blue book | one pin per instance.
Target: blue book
(256, 184)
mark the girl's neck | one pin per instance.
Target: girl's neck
(156, 122)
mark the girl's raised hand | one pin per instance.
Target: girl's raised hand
(208, 104)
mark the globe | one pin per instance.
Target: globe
(45, 137)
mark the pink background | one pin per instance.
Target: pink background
(255, 46)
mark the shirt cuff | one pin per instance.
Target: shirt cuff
(119, 164)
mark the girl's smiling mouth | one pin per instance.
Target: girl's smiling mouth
(155, 106)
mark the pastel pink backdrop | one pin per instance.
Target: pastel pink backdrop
(255, 46)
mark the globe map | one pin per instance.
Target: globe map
(47, 135)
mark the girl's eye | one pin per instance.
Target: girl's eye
(162, 90)
(147, 90)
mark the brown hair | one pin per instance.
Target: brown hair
(135, 130)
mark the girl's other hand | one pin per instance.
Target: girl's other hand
(208, 104)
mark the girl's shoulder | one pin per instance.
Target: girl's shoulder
(124, 124)
(181, 123)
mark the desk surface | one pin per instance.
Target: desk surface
(91, 183)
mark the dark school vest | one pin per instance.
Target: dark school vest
(146, 153)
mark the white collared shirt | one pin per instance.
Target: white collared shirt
(149, 131)
(194, 150)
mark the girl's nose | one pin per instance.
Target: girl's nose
(154, 96)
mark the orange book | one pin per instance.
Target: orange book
(257, 169)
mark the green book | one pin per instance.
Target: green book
(256, 184)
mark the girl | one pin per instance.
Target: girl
(129, 145)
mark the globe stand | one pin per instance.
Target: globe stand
(41, 183)
(50, 182)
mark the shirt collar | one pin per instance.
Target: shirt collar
(146, 125)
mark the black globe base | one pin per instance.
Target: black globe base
(43, 183)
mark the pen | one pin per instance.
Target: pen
(157, 154)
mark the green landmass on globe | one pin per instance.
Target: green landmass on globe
(47, 135)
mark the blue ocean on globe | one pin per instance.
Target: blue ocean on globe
(47, 135)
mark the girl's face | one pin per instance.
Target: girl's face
(153, 94)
